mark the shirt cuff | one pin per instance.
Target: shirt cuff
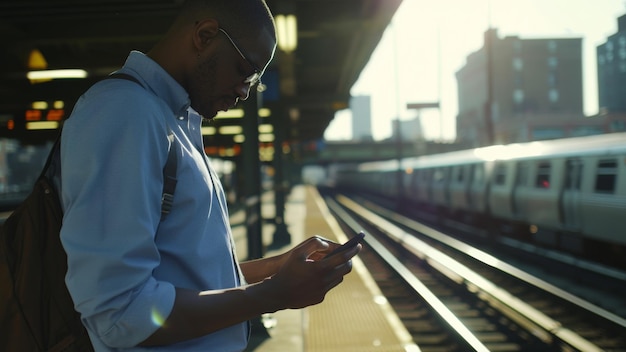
(146, 313)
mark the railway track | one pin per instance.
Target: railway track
(454, 297)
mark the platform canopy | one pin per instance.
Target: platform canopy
(335, 39)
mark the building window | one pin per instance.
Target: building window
(586, 131)
(518, 64)
(552, 46)
(618, 125)
(553, 62)
(553, 95)
(552, 79)
(621, 51)
(518, 96)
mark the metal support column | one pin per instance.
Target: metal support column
(400, 170)
(252, 189)
(281, 184)
(252, 175)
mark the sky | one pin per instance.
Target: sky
(427, 42)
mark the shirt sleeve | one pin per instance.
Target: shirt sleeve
(113, 151)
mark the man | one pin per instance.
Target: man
(142, 282)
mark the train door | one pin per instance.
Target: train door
(500, 196)
(468, 181)
(543, 194)
(428, 183)
(459, 187)
(439, 186)
(479, 191)
(570, 200)
(519, 197)
(414, 185)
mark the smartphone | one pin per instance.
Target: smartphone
(351, 243)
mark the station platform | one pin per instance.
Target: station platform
(354, 316)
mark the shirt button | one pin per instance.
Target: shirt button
(181, 118)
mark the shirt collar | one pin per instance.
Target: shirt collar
(159, 81)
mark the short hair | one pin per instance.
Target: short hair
(238, 17)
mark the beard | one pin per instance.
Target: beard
(203, 88)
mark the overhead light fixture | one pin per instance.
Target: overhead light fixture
(39, 105)
(42, 125)
(230, 130)
(208, 130)
(230, 114)
(36, 60)
(266, 128)
(56, 74)
(287, 30)
(266, 138)
(265, 112)
(239, 113)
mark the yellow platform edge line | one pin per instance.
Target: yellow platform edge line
(359, 267)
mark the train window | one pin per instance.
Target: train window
(479, 173)
(521, 175)
(447, 174)
(606, 176)
(470, 173)
(415, 180)
(426, 175)
(439, 175)
(500, 174)
(543, 176)
(573, 174)
(460, 174)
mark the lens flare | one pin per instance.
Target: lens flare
(157, 318)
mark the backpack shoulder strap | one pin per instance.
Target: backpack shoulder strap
(169, 171)
(169, 176)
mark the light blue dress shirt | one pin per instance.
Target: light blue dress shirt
(124, 260)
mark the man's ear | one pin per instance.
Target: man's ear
(205, 31)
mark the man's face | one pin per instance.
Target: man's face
(225, 77)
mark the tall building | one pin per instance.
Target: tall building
(611, 61)
(612, 71)
(515, 90)
(410, 130)
(361, 117)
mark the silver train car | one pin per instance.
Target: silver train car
(567, 193)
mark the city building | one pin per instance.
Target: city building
(612, 71)
(410, 130)
(361, 117)
(517, 90)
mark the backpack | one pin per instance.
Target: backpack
(36, 310)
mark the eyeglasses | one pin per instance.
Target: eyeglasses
(256, 76)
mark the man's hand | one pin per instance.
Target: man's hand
(304, 279)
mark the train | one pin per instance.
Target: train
(568, 194)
